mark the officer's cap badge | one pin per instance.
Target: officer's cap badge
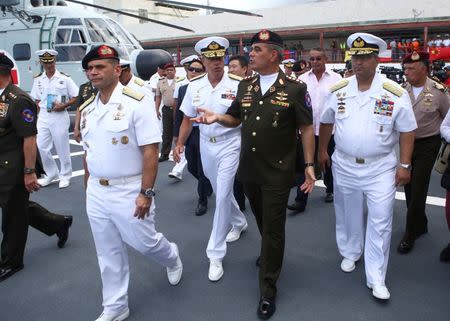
(264, 35)
(359, 43)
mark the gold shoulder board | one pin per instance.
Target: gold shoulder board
(395, 89)
(339, 85)
(139, 82)
(133, 94)
(234, 77)
(37, 75)
(180, 79)
(63, 73)
(198, 77)
(86, 103)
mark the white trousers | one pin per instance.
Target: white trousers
(375, 182)
(54, 129)
(179, 167)
(220, 161)
(110, 211)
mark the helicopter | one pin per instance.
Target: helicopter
(27, 26)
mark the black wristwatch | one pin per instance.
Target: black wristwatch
(149, 192)
(28, 170)
(309, 164)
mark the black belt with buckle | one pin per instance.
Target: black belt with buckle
(360, 160)
(104, 181)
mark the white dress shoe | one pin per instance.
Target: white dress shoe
(63, 183)
(379, 291)
(235, 233)
(114, 317)
(46, 180)
(347, 265)
(174, 273)
(215, 272)
(176, 175)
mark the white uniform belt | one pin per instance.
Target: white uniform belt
(360, 160)
(116, 181)
(220, 138)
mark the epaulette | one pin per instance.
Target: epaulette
(250, 77)
(37, 75)
(133, 94)
(63, 73)
(178, 79)
(86, 103)
(339, 85)
(139, 82)
(198, 77)
(393, 88)
(439, 86)
(234, 77)
(292, 79)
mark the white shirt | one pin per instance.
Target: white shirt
(318, 90)
(63, 87)
(368, 125)
(416, 91)
(200, 93)
(113, 133)
(446, 42)
(266, 81)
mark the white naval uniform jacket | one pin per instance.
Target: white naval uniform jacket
(201, 94)
(113, 133)
(368, 128)
(60, 85)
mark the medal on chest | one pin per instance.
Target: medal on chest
(229, 95)
(276, 118)
(247, 100)
(197, 98)
(341, 103)
(119, 114)
(428, 98)
(3, 109)
(280, 99)
(384, 106)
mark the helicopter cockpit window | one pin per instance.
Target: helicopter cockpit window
(70, 53)
(70, 22)
(22, 51)
(99, 31)
(63, 36)
(123, 38)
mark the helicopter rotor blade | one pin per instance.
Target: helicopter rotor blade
(200, 6)
(131, 15)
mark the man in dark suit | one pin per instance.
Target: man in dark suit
(18, 175)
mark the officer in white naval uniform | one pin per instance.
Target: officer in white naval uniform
(53, 91)
(121, 140)
(371, 114)
(219, 146)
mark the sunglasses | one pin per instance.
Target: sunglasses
(192, 69)
(315, 58)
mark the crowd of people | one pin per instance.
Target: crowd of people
(253, 133)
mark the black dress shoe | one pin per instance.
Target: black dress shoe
(6, 272)
(201, 209)
(63, 233)
(163, 158)
(329, 198)
(406, 245)
(296, 207)
(445, 254)
(266, 308)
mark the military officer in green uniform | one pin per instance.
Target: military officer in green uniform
(18, 175)
(271, 108)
